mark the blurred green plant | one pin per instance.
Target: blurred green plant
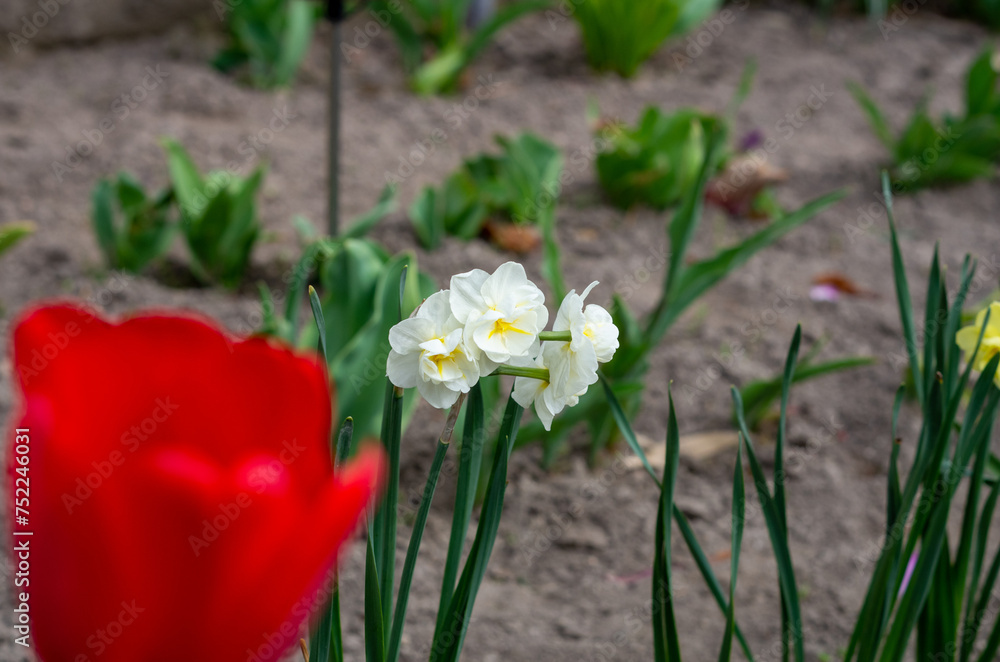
(218, 217)
(986, 12)
(435, 39)
(666, 642)
(269, 38)
(359, 297)
(684, 282)
(520, 184)
(619, 36)
(933, 580)
(924, 581)
(383, 622)
(12, 234)
(890, 15)
(657, 160)
(929, 152)
(132, 229)
(759, 396)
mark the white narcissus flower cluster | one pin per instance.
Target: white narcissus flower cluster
(496, 322)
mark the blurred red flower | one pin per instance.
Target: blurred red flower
(182, 498)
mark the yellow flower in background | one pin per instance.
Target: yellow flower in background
(990, 346)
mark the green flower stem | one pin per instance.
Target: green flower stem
(406, 580)
(516, 371)
(557, 336)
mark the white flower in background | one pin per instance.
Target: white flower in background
(567, 382)
(591, 325)
(503, 313)
(429, 353)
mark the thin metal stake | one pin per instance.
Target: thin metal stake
(335, 12)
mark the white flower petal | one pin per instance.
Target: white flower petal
(436, 308)
(505, 281)
(570, 311)
(429, 352)
(467, 298)
(525, 390)
(486, 365)
(544, 414)
(492, 345)
(401, 369)
(588, 290)
(600, 328)
(409, 333)
(570, 372)
(541, 316)
(439, 395)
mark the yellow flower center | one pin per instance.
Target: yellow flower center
(438, 360)
(503, 326)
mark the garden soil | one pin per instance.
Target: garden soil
(570, 574)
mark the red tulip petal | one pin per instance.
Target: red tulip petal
(150, 437)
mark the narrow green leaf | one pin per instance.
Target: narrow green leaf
(327, 641)
(972, 621)
(759, 396)
(698, 278)
(685, 220)
(779, 543)
(374, 620)
(409, 564)
(932, 322)
(779, 446)
(986, 596)
(299, 21)
(879, 124)
(746, 83)
(300, 275)
(387, 204)
(402, 289)
(626, 428)
(317, 311)
(103, 216)
(427, 219)
(666, 641)
(739, 517)
(184, 177)
(963, 555)
(506, 14)
(384, 527)
(470, 462)
(952, 359)
(894, 492)
(701, 559)
(551, 260)
(981, 86)
(903, 294)
(321, 641)
(12, 233)
(449, 640)
(411, 46)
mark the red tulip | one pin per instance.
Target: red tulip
(182, 500)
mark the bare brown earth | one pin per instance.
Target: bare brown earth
(569, 578)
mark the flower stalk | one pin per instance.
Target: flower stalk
(541, 374)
